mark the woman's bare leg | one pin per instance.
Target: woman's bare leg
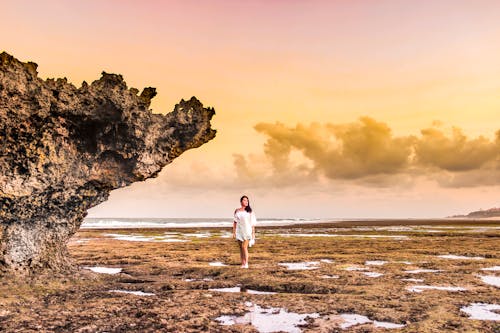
(242, 253)
(245, 251)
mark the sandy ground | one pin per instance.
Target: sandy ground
(152, 263)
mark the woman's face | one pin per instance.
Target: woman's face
(244, 202)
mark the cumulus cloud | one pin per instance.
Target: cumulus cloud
(456, 152)
(366, 152)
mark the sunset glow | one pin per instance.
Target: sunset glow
(323, 108)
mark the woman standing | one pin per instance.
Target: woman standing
(244, 228)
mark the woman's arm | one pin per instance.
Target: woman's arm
(253, 222)
(234, 223)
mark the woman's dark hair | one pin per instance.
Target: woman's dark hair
(247, 208)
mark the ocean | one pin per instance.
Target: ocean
(119, 223)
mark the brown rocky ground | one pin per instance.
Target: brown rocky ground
(83, 303)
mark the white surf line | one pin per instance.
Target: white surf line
(453, 256)
(482, 311)
(138, 292)
(104, 270)
(421, 288)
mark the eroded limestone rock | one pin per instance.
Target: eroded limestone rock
(63, 149)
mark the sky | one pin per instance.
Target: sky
(324, 109)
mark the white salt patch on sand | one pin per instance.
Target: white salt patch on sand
(269, 320)
(421, 288)
(355, 268)
(104, 270)
(328, 261)
(494, 268)
(204, 279)
(197, 235)
(227, 290)
(395, 228)
(258, 292)
(329, 276)
(413, 280)
(142, 238)
(386, 324)
(84, 240)
(238, 290)
(372, 274)
(352, 319)
(492, 280)
(380, 228)
(405, 262)
(138, 293)
(459, 227)
(452, 256)
(376, 262)
(482, 311)
(217, 263)
(423, 270)
(339, 235)
(300, 265)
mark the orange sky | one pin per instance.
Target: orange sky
(408, 66)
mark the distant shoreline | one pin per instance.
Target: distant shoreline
(322, 224)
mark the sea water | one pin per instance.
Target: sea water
(119, 223)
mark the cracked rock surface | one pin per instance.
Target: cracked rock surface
(63, 149)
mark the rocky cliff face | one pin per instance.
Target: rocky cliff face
(63, 149)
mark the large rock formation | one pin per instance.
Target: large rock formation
(63, 149)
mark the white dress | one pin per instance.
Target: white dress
(244, 222)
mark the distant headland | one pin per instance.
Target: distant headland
(492, 212)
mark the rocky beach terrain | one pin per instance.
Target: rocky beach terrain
(420, 276)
